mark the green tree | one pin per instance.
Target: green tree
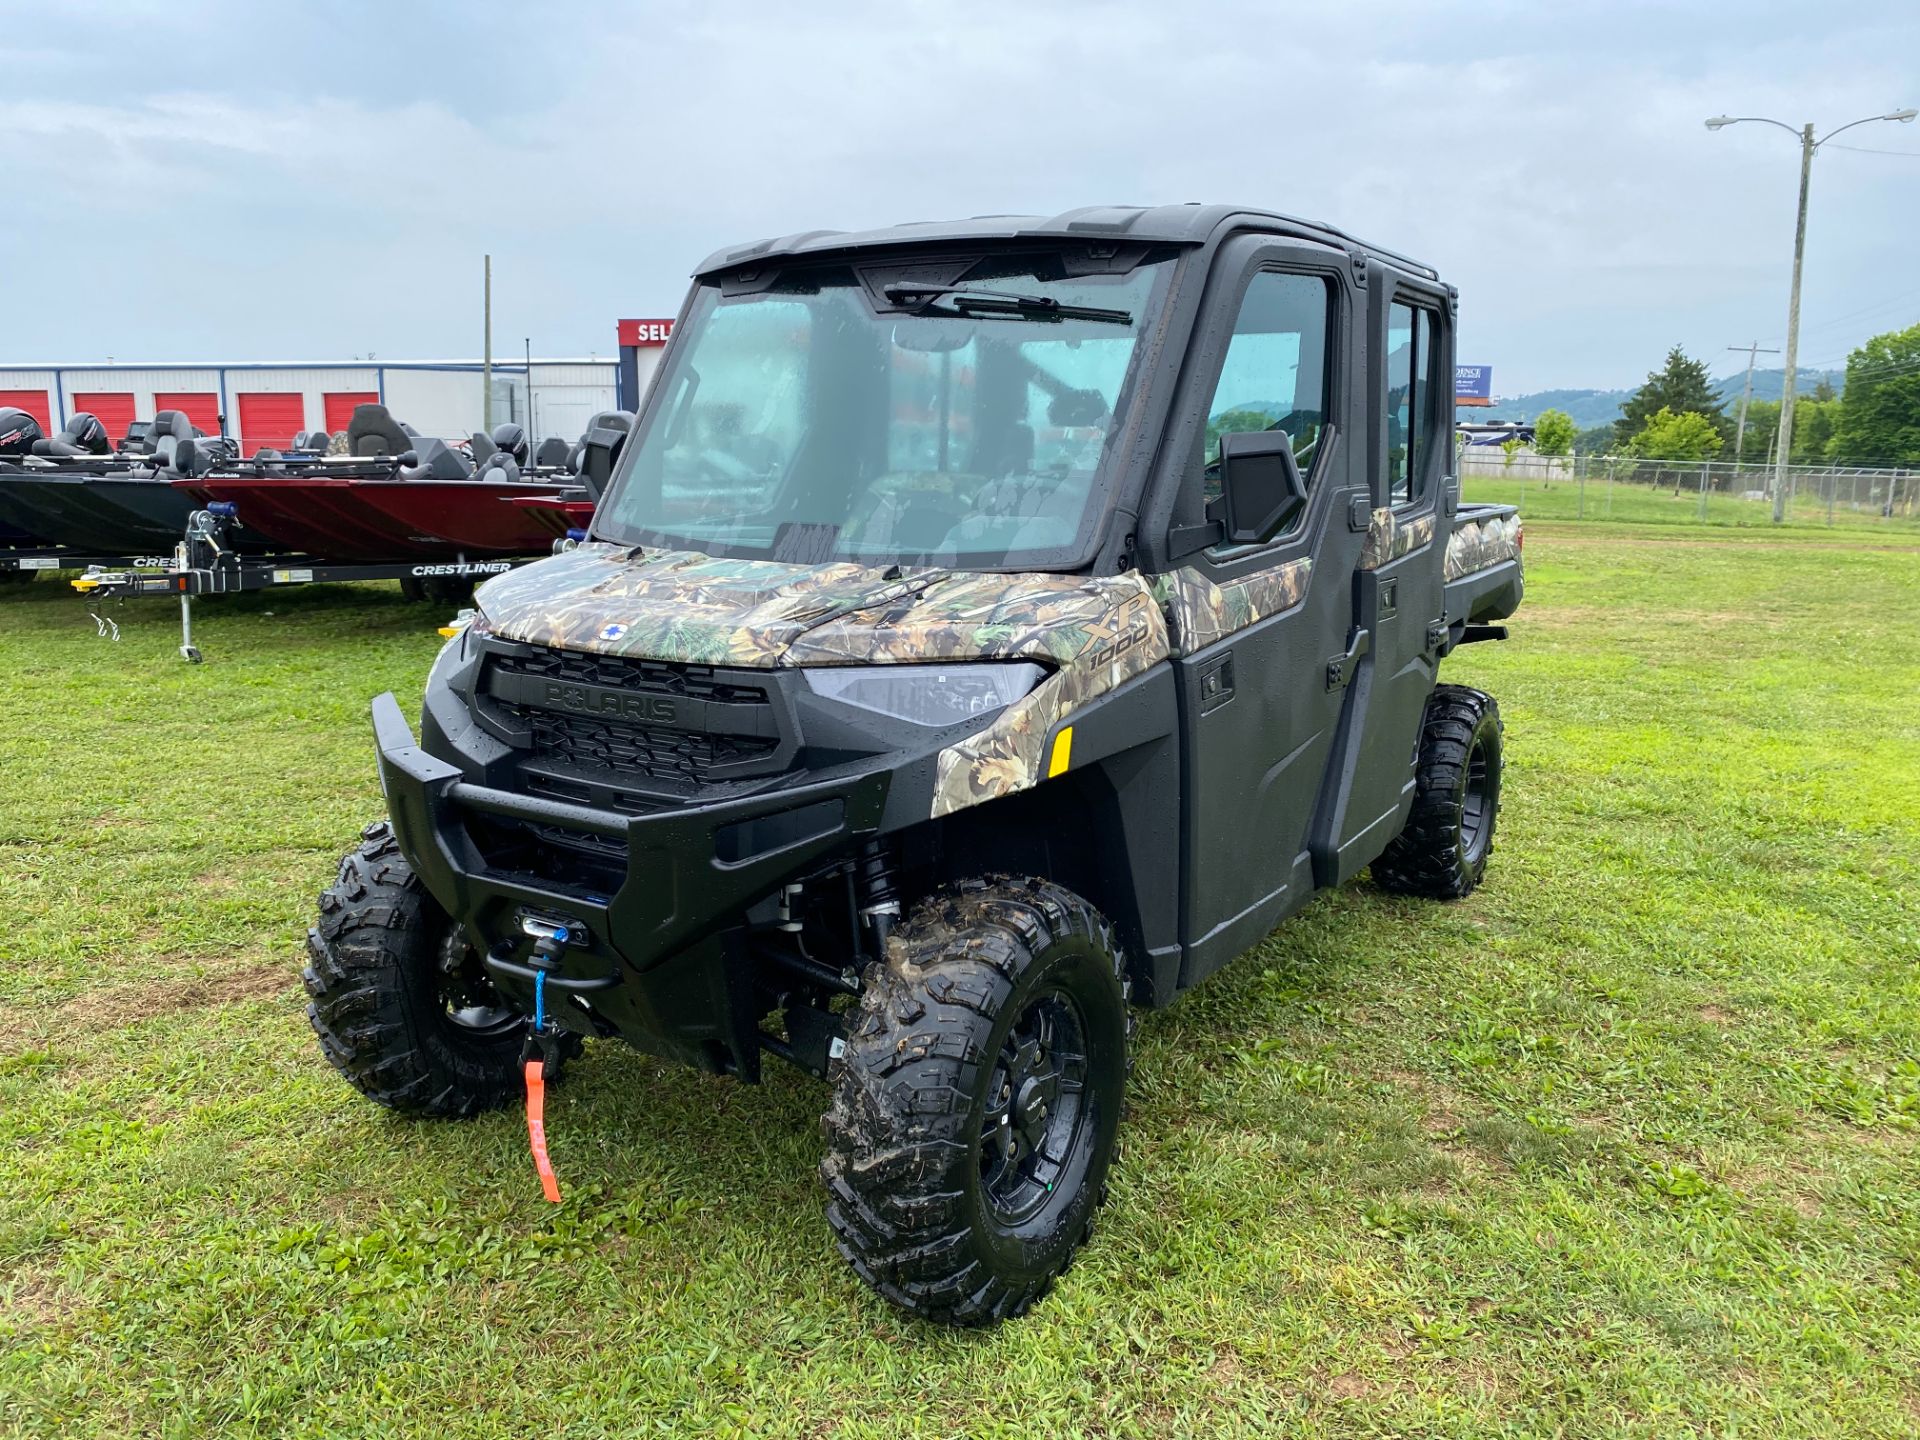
(1554, 433)
(1682, 386)
(1510, 447)
(1763, 424)
(1685, 436)
(1595, 441)
(1879, 419)
(1824, 391)
(1814, 422)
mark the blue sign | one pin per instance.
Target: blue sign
(1473, 382)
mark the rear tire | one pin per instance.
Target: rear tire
(978, 1100)
(401, 1005)
(1443, 850)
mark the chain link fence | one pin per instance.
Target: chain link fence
(1689, 492)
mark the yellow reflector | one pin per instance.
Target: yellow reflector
(449, 631)
(85, 582)
(1062, 752)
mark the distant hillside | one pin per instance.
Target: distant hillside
(1602, 407)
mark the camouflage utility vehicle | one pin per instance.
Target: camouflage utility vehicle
(989, 627)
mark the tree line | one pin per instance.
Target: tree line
(1677, 415)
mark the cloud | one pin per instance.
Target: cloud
(324, 180)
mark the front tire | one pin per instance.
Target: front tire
(977, 1103)
(401, 1005)
(1443, 850)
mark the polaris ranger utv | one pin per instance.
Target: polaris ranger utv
(988, 627)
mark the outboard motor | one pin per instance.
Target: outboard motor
(18, 431)
(512, 438)
(83, 434)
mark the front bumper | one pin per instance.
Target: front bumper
(652, 959)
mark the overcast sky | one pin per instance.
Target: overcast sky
(229, 180)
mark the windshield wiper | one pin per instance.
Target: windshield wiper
(964, 301)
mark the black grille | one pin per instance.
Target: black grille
(611, 750)
(653, 677)
(675, 756)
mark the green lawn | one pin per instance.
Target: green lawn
(1568, 499)
(1623, 1145)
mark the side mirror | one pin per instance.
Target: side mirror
(1261, 492)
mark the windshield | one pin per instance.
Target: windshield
(866, 418)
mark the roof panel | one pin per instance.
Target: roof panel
(1159, 224)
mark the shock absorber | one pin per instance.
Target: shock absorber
(879, 903)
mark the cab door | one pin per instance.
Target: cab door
(1399, 585)
(1251, 628)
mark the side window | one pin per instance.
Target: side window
(1275, 375)
(1411, 388)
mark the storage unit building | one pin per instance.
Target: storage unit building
(266, 404)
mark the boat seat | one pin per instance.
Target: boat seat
(481, 445)
(373, 431)
(434, 460)
(593, 457)
(83, 434)
(169, 428)
(553, 452)
(500, 466)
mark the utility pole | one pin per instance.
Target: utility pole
(1746, 398)
(1783, 452)
(486, 354)
(528, 342)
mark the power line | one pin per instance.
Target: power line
(1869, 150)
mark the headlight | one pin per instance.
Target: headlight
(927, 694)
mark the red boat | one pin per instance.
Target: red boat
(559, 514)
(360, 519)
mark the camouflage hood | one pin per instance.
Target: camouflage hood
(1094, 633)
(700, 609)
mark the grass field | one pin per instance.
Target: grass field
(1623, 1145)
(1659, 505)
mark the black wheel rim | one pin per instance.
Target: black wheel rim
(1476, 802)
(466, 991)
(1037, 1116)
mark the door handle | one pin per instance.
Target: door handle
(1340, 667)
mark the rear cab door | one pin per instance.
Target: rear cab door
(1399, 584)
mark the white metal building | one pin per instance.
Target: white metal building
(268, 403)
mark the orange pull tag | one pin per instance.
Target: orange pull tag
(537, 1129)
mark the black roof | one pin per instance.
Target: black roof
(1155, 224)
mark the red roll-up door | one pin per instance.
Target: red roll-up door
(202, 407)
(340, 405)
(34, 402)
(270, 418)
(114, 408)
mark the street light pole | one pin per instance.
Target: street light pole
(1784, 448)
(1784, 452)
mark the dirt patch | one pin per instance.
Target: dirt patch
(1716, 1015)
(1351, 1385)
(34, 1300)
(115, 1006)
